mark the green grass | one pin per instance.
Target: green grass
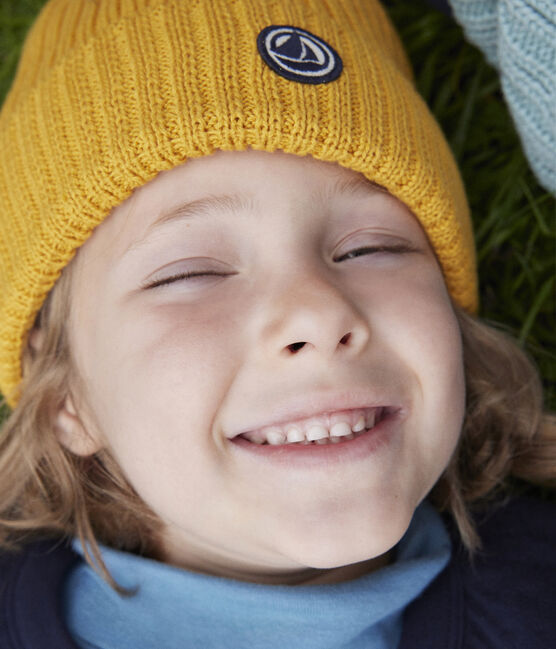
(16, 17)
(515, 219)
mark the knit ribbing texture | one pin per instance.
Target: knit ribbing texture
(518, 38)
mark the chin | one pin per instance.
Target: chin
(345, 545)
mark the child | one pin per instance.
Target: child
(237, 337)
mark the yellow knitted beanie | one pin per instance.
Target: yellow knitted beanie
(110, 92)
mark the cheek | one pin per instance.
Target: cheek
(423, 335)
(156, 371)
(419, 323)
(170, 343)
(155, 388)
(181, 345)
(442, 381)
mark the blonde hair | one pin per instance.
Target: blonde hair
(47, 490)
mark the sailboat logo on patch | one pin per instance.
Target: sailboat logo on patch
(298, 55)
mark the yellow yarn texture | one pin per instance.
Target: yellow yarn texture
(110, 92)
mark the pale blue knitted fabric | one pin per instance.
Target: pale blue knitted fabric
(179, 609)
(518, 37)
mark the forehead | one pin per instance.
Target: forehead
(250, 172)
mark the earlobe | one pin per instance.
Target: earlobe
(72, 432)
(36, 339)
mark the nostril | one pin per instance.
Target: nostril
(295, 347)
(345, 339)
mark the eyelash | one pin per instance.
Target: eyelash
(352, 254)
(185, 276)
(399, 248)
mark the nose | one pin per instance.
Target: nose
(308, 313)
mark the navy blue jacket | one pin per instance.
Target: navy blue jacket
(504, 599)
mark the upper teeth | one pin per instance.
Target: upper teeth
(331, 427)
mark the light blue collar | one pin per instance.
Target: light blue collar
(178, 609)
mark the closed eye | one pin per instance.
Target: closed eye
(370, 250)
(351, 254)
(185, 276)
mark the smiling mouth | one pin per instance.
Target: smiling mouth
(325, 429)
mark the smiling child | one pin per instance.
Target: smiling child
(251, 404)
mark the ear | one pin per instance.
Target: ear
(72, 433)
(36, 339)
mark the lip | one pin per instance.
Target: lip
(314, 456)
(305, 406)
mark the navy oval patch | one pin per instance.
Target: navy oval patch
(298, 55)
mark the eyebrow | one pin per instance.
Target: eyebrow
(230, 203)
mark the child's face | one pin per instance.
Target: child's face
(173, 371)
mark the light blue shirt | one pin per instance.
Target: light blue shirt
(179, 609)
